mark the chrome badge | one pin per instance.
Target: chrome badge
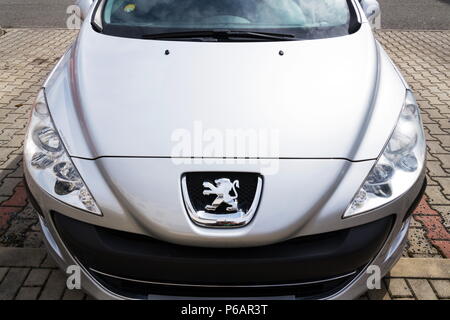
(217, 201)
(222, 190)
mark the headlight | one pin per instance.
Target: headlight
(49, 164)
(399, 166)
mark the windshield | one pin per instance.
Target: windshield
(303, 18)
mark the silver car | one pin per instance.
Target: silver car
(225, 148)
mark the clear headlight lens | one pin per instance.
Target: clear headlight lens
(49, 163)
(399, 166)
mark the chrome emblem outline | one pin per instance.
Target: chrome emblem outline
(235, 219)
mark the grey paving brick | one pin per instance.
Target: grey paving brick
(28, 293)
(25, 257)
(73, 295)
(436, 169)
(55, 286)
(12, 283)
(445, 160)
(444, 182)
(418, 243)
(436, 196)
(37, 277)
(3, 272)
(444, 139)
(8, 184)
(399, 288)
(421, 268)
(422, 289)
(49, 262)
(442, 288)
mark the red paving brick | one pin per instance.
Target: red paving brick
(443, 246)
(13, 205)
(18, 199)
(5, 216)
(434, 227)
(424, 208)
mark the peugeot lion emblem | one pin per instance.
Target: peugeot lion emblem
(222, 190)
(217, 201)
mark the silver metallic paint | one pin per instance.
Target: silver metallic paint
(347, 110)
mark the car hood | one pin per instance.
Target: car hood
(113, 96)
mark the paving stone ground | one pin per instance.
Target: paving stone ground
(27, 56)
(30, 274)
(424, 60)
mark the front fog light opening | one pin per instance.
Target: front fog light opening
(399, 166)
(50, 164)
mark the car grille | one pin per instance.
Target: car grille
(136, 289)
(135, 265)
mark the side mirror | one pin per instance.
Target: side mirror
(371, 9)
(85, 6)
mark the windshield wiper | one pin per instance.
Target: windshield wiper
(222, 35)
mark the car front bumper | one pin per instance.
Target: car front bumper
(343, 286)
